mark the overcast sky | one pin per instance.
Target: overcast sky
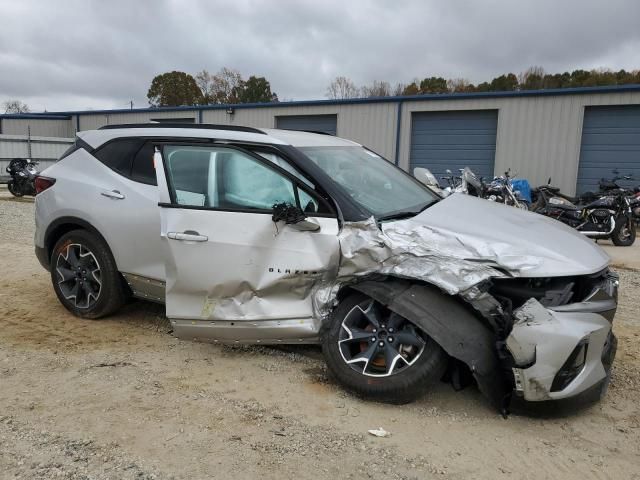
(69, 55)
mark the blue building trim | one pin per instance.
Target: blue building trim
(398, 125)
(357, 101)
(35, 116)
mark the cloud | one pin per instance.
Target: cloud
(95, 54)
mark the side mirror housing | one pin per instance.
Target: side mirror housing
(306, 225)
(294, 217)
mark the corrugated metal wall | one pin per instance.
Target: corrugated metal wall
(39, 128)
(373, 124)
(92, 121)
(538, 136)
(46, 150)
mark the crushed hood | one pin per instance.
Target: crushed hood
(526, 243)
(458, 243)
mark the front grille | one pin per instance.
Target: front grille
(554, 291)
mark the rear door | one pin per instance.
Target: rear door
(225, 259)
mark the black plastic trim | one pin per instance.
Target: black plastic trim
(75, 222)
(198, 126)
(237, 210)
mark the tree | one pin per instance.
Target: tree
(255, 90)
(411, 89)
(532, 78)
(219, 88)
(399, 89)
(460, 85)
(173, 89)
(377, 89)
(15, 106)
(342, 88)
(504, 83)
(433, 85)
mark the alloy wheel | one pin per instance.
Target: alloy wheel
(79, 275)
(377, 342)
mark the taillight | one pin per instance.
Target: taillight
(42, 183)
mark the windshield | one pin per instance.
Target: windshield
(371, 181)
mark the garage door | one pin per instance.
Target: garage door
(610, 141)
(312, 123)
(454, 140)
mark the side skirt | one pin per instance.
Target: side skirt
(264, 332)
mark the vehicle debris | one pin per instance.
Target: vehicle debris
(379, 432)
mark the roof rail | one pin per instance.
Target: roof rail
(203, 126)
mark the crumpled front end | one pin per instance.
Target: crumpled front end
(561, 351)
(417, 251)
(544, 316)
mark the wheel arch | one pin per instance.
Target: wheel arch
(63, 225)
(449, 322)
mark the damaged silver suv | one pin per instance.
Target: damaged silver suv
(273, 236)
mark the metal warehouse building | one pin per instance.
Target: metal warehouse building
(574, 136)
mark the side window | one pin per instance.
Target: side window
(224, 178)
(308, 203)
(247, 183)
(142, 169)
(283, 164)
(118, 154)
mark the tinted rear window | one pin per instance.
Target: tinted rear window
(118, 154)
(142, 169)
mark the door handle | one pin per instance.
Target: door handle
(115, 194)
(187, 236)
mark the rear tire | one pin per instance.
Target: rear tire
(407, 379)
(624, 233)
(84, 275)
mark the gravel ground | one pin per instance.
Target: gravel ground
(121, 398)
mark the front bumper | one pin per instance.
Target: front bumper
(566, 351)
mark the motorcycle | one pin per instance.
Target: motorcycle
(612, 185)
(608, 216)
(23, 173)
(467, 182)
(634, 203)
(501, 190)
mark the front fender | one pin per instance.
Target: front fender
(456, 329)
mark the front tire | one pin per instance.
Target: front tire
(84, 275)
(14, 189)
(379, 355)
(624, 233)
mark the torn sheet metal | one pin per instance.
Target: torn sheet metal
(457, 243)
(412, 249)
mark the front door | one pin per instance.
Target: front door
(232, 274)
